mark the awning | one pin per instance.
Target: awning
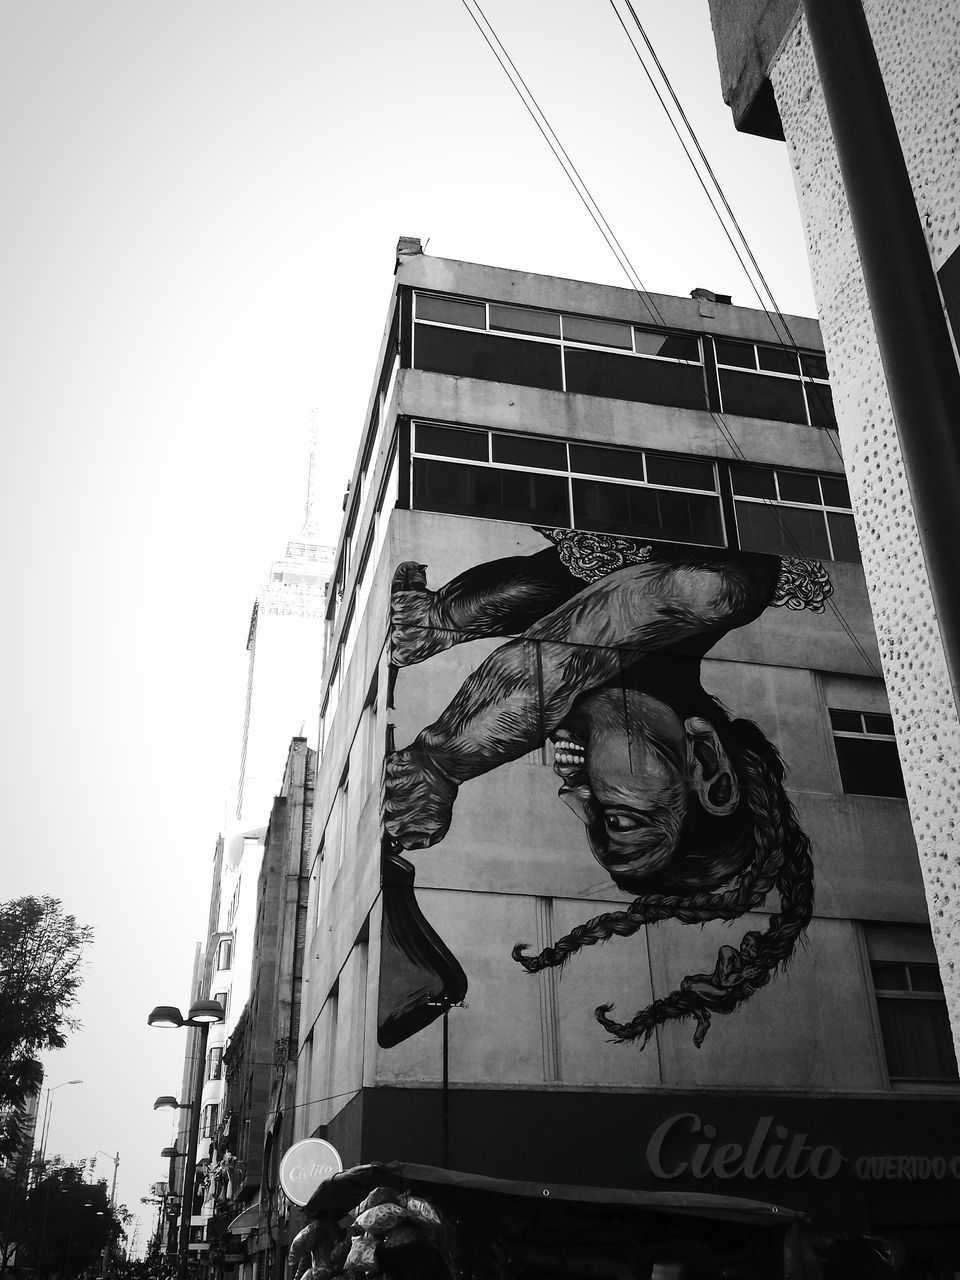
(245, 1222)
(345, 1189)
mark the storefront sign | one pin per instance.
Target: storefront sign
(684, 1145)
(305, 1166)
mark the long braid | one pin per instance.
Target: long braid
(739, 972)
(781, 859)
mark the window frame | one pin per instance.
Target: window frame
(573, 475)
(909, 994)
(224, 943)
(824, 507)
(800, 376)
(561, 340)
(864, 735)
(209, 1119)
(213, 1068)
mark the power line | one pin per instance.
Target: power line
(777, 311)
(539, 118)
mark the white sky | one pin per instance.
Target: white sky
(202, 201)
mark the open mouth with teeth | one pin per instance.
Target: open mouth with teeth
(569, 755)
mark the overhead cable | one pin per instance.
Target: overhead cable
(527, 97)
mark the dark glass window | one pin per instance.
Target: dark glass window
(682, 473)
(755, 396)
(525, 451)
(602, 333)
(799, 486)
(224, 953)
(488, 356)
(820, 400)
(740, 354)
(843, 535)
(215, 1063)
(602, 373)
(874, 723)
(595, 460)
(451, 311)
(521, 320)
(784, 531)
(753, 482)
(914, 1023)
(647, 513)
(866, 753)
(813, 364)
(208, 1126)
(449, 442)
(788, 530)
(835, 491)
(675, 346)
(221, 998)
(498, 494)
(778, 360)
(851, 721)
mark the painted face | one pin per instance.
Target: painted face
(620, 756)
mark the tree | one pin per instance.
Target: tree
(66, 1223)
(41, 950)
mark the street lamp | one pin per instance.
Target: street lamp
(200, 1015)
(167, 1100)
(47, 1110)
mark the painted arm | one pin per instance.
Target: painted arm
(523, 691)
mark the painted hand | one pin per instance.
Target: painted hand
(418, 799)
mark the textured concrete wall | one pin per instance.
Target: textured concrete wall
(917, 46)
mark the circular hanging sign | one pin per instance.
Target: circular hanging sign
(305, 1166)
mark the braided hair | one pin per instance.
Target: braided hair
(761, 848)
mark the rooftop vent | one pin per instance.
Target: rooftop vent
(707, 295)
(408, 247)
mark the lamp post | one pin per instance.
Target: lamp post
(174, 1203)
(113, 1200)
(200, 1015)
(47, 1111)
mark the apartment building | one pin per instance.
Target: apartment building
(612, 879)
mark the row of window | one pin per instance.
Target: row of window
(619, 360)
(359, 594)
(535, 480)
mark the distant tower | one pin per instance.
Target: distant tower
(285, 643)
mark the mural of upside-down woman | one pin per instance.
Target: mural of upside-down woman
(682, 804)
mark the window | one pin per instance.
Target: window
(483, 491)
(208, 1120)
(535, 348)
(313, 893)
(794, 513)
(224, 953)
(343, 798)
(215, 1063)
(773, 382)
(536, 480)
(914, 1023)
(373, 739)
(867, 753)
(223, 999)
(617, 359)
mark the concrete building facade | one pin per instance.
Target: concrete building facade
(259, 1062)
(604, 540)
